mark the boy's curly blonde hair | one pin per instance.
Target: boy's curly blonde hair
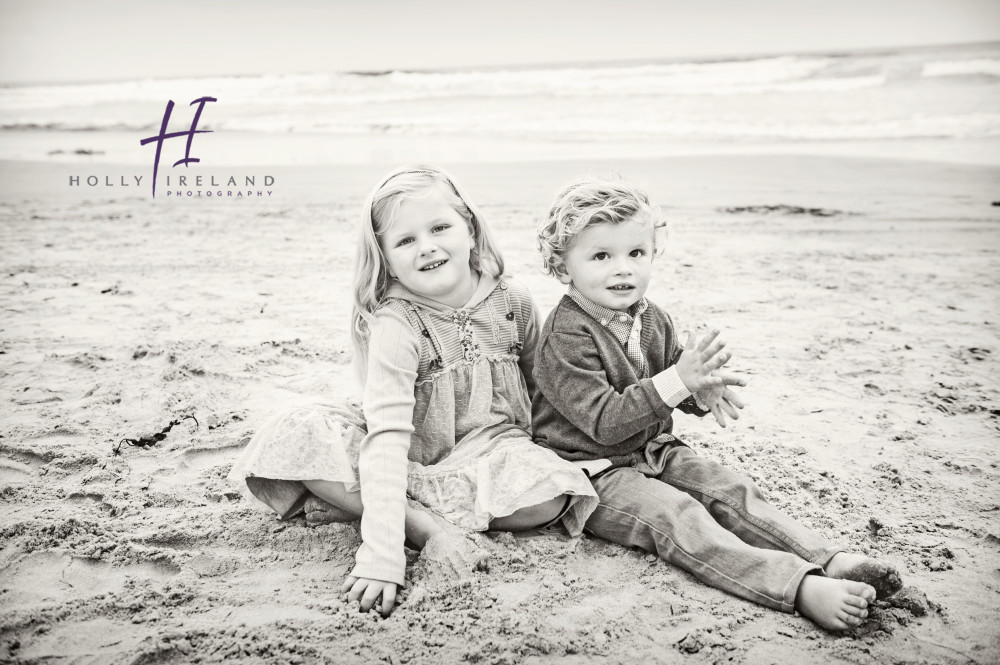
(609, 200)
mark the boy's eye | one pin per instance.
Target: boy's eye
(636, 253)
(600, 256)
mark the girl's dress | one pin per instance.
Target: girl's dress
(445, 420)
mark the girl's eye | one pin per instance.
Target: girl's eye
(440, 227)
(636, 253)
(600, 256)
(404, 241)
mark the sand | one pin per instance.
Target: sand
(867, 330)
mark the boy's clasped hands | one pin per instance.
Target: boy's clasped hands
(698, 368)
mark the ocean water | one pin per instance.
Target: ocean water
(927, 95)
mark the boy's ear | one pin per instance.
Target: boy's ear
(561, 274)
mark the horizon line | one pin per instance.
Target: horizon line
(629, 62)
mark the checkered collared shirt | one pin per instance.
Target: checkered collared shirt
(626, 327)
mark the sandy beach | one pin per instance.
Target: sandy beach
(859, 296)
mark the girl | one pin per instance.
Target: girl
(444, 349)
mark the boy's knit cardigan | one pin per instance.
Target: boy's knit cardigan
(589, 403)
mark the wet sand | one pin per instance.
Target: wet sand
(859, 296)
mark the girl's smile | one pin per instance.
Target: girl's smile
(436, 264)
(428, 246)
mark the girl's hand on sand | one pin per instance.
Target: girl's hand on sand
(696, 363)
(720, 400)
(368, 591)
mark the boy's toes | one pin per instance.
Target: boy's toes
(849, 620)
(856, 611)
(857, 601)
(883, 577)
(862, 590)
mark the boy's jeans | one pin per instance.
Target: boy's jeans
(710, 521)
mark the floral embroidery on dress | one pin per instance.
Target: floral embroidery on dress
(470, 350)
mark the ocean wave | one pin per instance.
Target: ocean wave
(680, 78)
(716, 78)
(638, 128)
(848, 96)
(606, 127)
(833, 84)
(94, 126)
(241, 89)
(979, 66)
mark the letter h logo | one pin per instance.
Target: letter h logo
(163, 135)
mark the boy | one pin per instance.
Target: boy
(609, 371)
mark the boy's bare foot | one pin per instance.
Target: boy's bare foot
(859, 568)
(450, 554)
(834, 604)
(319, 511)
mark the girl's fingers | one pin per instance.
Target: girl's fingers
(348, 583)
(689, 344)
(371, 596)
(357, 589)
(388, 599)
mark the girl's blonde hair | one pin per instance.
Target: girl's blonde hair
(371, 271)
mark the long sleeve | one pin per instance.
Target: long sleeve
(570, 374)
(687, 403)
(670, 386)
(393, 355)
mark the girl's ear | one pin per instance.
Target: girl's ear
(473, 247)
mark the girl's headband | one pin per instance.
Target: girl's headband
(428, 171)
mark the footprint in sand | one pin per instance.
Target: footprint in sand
(16, 466)
(46, 577)
(207, 566)
(189, 466)
(92, 641)
(597, 609)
